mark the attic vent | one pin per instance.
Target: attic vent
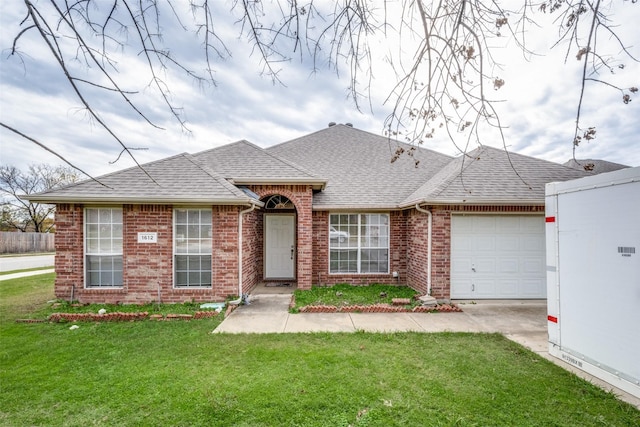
(332, 124)
(279, 202)
(349, 124)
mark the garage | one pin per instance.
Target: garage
(497, 257)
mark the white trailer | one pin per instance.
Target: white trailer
(593, 275)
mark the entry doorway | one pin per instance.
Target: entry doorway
(279, 246)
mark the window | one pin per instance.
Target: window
(359, 243)
(103, 247)
(192, 247)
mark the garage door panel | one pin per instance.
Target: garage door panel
(483, 288)
(484, 265)
(507, 243)
(484, 243)
(507, 288)
(508, 265)
(532, 243)
(463, 265)
(532, 265)
(483, 222)
(463, 243)
(530, 287)
(509, 225)
(497, 256)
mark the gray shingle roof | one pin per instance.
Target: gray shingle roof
(178, 179)
(244, 162)
(489, 175)
(599, 166)
(357, 165)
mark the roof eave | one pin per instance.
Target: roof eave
(355, 207)
(144, 200)
(316, 184)
(476, 202)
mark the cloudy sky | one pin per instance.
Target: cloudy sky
(539, 105)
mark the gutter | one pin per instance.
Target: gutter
(240, 220)
(429, 243)
(139, 200)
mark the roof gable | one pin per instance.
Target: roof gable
(245, 163)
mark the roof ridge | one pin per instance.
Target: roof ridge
(343, 126)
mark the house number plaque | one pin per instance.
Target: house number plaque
(148, 237)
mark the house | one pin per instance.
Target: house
(325, 208)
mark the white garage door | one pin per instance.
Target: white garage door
(497, 256)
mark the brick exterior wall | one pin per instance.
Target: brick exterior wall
(397, 253)
(441, 244)
(69, 259)
(148, 268)
(302, 197)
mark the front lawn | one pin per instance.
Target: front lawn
(177, 373)
(345, 294)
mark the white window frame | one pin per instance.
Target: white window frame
(204, 247)
(115, 249)
(359, 247)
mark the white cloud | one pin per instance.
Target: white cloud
(538, 113)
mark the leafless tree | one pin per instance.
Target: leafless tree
(18, 214)
(446, 74)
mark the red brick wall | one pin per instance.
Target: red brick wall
(397, 253)
(302, 198)
(148, 268)
(69, 250)
(148, 274)
(251, 250)
(441, 244)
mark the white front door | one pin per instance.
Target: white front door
(498, 256)
(279, 243)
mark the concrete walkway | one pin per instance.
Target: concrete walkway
(523, 321)
(25, 274)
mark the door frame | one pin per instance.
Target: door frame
(294, 243)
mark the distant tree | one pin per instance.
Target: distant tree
(442, 52)
(18, 214)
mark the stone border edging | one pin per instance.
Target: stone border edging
(380, 308)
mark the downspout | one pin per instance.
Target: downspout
(240, 218)
(429, 228)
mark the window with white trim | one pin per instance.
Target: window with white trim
(359, 243)
(191, 248)
(103, 247)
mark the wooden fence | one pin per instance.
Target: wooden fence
(20, 243)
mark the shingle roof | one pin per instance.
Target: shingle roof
(355, 166)
(178, 179)
(358, 168)
(599, 166)
(488, 175)
(245, 163)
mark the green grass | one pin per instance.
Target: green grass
(177, 373)
(345, 294)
